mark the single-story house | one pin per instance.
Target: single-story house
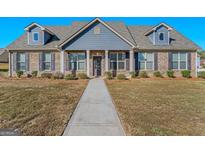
(4, 56)
(97, 47)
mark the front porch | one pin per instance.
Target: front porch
(96, 62)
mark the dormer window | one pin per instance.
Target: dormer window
(35, 36)
(161, 36)
(97, 30)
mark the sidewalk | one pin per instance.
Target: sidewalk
(95, 114)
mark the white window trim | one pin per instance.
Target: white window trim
(33, 33)
(125, 66)
(78, 61)
(18, 61)
(179, 60)
(46, 62)
(145, 69)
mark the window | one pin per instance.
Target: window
(21, 61)
(35, 36)
(76, 61)
(47, 61)
(97, 30)
(117, 61)
(161, 36)
(146, 61)
(179, 61)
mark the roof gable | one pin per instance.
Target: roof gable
(27, 28)
(90, 24)
(104, 39)
(158, 26)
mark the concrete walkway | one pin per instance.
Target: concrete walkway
(95, 114)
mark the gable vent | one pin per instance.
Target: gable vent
(97, 30)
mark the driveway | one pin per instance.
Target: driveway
(95, 114)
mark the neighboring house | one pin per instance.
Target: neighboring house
(97, 47)
(202, 62)
(4, 56)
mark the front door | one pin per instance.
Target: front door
(97, 65)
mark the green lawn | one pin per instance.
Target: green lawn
(160, 107)
(38, 107)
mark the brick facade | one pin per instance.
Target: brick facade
(162, 63)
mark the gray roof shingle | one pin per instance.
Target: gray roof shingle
(177, 40)
(134, 34)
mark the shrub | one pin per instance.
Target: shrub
(19, 73)
(143, 74)
(70, 77)
(58, 75)
(46, 75)
(170, 74)
(186, 73)
(29, 75)
(108, 75)
(3, 70)
(34, 73)
(121, 77)
(82, 76)
(134, 74)
(201, 74)
(157, 74)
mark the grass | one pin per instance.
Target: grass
(160, 107)
(38, 107)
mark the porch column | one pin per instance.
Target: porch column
(131, 60)
(62, 61)
(88, 62)
(106, 61)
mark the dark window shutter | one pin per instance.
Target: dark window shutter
(189, 60)
(108, 60)
(66, 62)
(128, 64)
(40, 61)
(156, 61)
(169, 60)
(27, 61)
(14, 61)
(53, 61)
(127, 56)
(136, 60)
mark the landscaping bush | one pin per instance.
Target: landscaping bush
(143, 74)
(34, 73)
(121, 77)
(70, 77)
(19, 73)
(170, 74)
(47, 75)
(28, 75)
(201, 74)
(157, 74)
(82, 76)
(58, 75)
(134, 74)
(186, 73)
(4, 70)
(108, 75)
